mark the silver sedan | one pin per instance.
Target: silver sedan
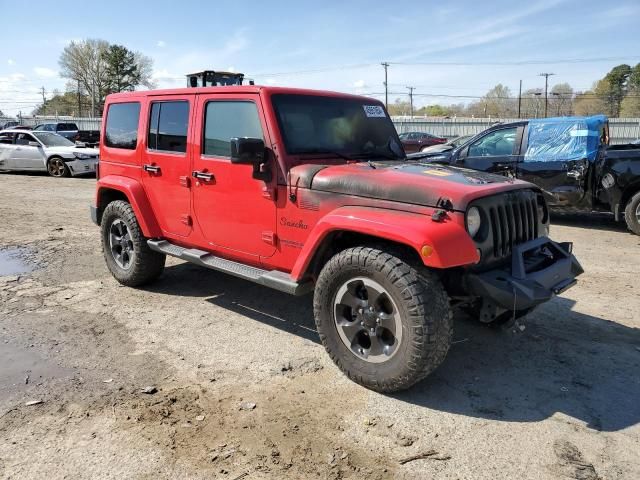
(45, 151)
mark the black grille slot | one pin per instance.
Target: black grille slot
(513, 220)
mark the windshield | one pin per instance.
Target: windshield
(345, 127)
(53, 139)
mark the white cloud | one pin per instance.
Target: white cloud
(161, 44)
(231, 69)
(359, 84)
(11, 61)
(45, 72)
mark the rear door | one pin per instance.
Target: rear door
(495, 152)
(167, 162)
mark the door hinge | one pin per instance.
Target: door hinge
(268, 192)
(269, 237)
(185, 181)
(186, 219)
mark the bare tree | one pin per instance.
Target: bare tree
(87, 65)
(83, 63)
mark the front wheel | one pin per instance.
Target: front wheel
(57, 168)
(128, 257)
(385, 324)
(632, 214)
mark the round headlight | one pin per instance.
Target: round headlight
(473, 221)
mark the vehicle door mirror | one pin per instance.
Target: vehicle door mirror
(247, 150)
(33, 144)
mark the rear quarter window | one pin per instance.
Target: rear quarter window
(121, 130)
(65, 127)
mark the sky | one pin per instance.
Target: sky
(449, 51)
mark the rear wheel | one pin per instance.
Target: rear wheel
(57, 168)
(128, 257)
(632, 214)
(385, 324)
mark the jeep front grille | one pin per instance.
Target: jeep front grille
(513, 221)
(509, 219)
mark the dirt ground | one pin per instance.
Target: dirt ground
(244, 390)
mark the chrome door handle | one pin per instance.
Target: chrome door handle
(151, 168)
(207, 177)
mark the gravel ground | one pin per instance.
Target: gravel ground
(244, 390)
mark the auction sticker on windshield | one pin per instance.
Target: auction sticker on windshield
(373, 111)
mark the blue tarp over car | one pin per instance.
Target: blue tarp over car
(564, 138)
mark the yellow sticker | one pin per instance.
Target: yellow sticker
(438, 173)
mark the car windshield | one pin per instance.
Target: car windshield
(345, 127)
(53, 139)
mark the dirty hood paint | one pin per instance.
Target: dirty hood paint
(414, 182)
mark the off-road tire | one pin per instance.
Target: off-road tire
(423, 306)
(57, 168)
(630, 215)
(147, 265)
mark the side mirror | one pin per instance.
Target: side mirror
(34, 144)
(247, 150)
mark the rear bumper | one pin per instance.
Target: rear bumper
(539, 270)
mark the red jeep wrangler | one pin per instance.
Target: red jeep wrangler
(302, 190)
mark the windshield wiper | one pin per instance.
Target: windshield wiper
(324, 151)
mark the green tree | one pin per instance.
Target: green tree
(126, 70)
(61, 104)
(613, 88)
(630, 106)
(590, 102)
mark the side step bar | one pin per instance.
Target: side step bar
(269, 278)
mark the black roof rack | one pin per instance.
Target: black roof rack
(211, 78)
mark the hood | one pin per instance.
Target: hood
(418, 183)
(73, 149)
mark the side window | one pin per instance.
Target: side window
(122, 125)
(50, 127)
(24, 139)
(168, 125)
(225, 120)
(498, 143)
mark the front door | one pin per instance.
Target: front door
(26, 156)
(495, 152)
(166, 163)
(559, 168)
(235, 211)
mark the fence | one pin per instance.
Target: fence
(84, 123)
(621, 130)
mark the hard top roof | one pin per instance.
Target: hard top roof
(233, 89)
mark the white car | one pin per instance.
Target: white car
(45, 151)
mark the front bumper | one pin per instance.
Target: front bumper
(81, 167)
(540, 269)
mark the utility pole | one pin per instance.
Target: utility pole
(386, 89)
(519, 98)
(411, 89)
(79, 107)
(44, 99)
(546, 90)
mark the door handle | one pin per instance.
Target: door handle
(207, 177)
(151, 168)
